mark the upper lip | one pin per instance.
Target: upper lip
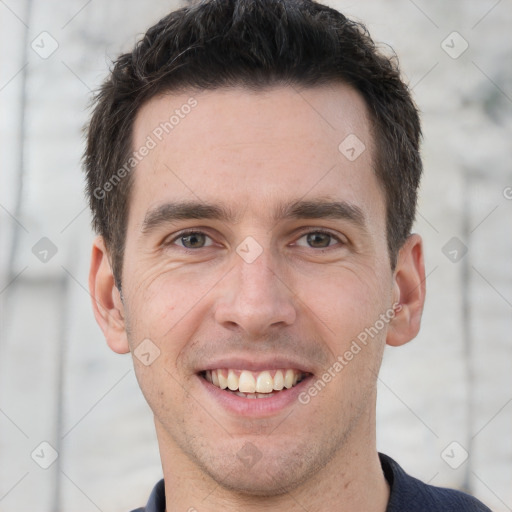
(257, 365)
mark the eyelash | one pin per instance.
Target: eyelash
(302, 234)
(324, 232)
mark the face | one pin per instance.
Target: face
(255, 262)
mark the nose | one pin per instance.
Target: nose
(254, 299)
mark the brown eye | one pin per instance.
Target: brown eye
(318, 240)
(193, 240)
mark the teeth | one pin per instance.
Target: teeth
(265, 383)
(232, 380)
(223, 381)
(278, 380)
(253, 395)
(247, 384)
(288, 379)
(253, 384)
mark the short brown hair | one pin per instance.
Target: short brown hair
(255, 44)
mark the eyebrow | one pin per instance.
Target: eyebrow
(322, 209)
(315, 209)
(172, 212)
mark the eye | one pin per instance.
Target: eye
(318, 239)
(192, 240)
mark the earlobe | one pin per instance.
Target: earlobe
(409, 292)
(106, 300)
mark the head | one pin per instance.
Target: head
(190, 49)
(252, 170)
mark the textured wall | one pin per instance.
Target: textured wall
(61, 385)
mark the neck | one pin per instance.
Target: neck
(352, 480)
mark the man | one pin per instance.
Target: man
(252, 168)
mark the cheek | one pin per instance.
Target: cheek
(167, 304)
(344, 301)
(159, 385)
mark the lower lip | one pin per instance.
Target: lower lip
(255, 407)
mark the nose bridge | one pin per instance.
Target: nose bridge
(255, 298)
(259, 286)
(257, 275)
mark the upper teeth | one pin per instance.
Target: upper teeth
(253, 382)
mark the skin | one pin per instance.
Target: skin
(253, 152)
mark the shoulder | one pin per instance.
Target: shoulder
(408, 493)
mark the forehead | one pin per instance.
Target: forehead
(252, 148)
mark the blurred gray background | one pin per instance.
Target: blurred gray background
(445, 400)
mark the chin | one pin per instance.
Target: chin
(275, 472)
(257, 483)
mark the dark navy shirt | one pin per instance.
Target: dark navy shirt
(407, 494)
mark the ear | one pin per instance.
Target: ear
(409, 292)
(106, 300)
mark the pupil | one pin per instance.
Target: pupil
(193, 240)
(318, 239)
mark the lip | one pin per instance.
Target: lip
(255, 407)
(255, 365)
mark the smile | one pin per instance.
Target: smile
(249, 384)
